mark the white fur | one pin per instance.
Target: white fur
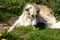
(23, 20)
(34, 22)
(55, 26)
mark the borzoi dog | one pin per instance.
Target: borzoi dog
(33, 13)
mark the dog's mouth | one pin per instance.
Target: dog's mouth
(31, 17)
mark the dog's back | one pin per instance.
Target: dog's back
(47, 14)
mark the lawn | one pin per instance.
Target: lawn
(27, 33)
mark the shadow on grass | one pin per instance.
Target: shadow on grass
(41, 26)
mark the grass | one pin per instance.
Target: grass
(27, 33)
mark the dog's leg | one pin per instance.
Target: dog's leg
(34, 23)
(13, 27)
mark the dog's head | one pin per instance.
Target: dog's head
(31, 9)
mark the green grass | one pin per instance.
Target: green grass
(27, 33)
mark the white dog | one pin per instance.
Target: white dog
(33, 13)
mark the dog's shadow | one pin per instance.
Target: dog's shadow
(40, 26)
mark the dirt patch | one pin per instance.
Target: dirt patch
(8, 23)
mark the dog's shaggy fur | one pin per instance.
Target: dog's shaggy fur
(45, 15)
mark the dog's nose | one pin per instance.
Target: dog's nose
(27, 9)
(32, 15)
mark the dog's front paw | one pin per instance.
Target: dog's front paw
(10, 29)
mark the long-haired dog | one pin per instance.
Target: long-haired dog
(33, 14)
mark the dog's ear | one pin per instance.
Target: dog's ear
(38, 10)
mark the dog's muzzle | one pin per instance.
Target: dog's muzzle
(30, 16)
